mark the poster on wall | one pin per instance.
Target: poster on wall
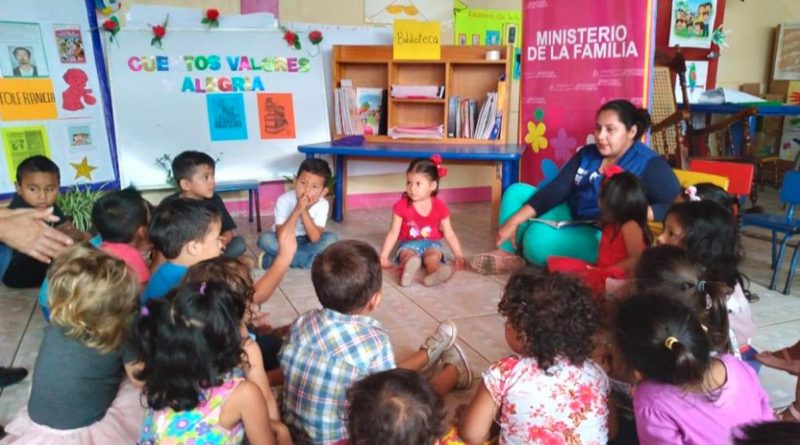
(387, 11)
(486, 26)
(232, 92)
(787, 53)
(691, 23)
(790, 139)
(574, 60)
(52, 100)
(696, 81)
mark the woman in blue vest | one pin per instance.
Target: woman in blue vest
(574, 193)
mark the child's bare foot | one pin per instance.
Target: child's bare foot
(410, 268)
(496, 262)
(440, 276)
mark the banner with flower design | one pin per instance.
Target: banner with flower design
(574, 60)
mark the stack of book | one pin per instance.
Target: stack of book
(418, 91)
(359, 110)
(429, 132)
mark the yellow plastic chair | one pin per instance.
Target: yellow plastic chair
(688, 178)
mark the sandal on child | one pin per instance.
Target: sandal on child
(440, 276)
(496, 263)
(780, 359)
(410, 269)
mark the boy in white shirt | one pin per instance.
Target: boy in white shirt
(308, 199)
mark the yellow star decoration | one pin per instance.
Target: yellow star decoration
(535, 136)
(83, 169)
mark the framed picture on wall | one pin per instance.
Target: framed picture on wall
(787, 53)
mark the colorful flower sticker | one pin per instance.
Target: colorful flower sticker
(536, 137)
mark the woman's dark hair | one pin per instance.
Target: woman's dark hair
(622, 199)
(768, 433)
(667, 270)
(661, 338)
(395, 407)
(188, 342)
(629, 115)
(711, 239)
(553, 313)
(427, 167)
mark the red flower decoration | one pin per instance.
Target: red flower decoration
(315, 37)
(212, 18)
(292, 39)
(159, 31)
(111, 26)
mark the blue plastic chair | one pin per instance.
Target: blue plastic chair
(787, 224)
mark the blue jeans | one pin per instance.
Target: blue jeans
(306, 250)
(5, 259)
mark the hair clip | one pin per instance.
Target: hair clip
(701, 286)
(612, 170)
(691, 193)
(203, 288)
(708, 302)
(441, 170)
(144, 312)
(670, 341)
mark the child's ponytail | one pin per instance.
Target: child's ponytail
(661, 338)
(716, 319)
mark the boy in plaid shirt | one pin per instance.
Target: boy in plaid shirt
(328, 349)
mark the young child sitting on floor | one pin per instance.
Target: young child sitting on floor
(623, 218)
(80, 394)
(38, 179)
(185, 231)
(194, 173)
(395, 407)
(120, 218)
(549, 391)
(328, 349)
(419, 221)
(684, 394)
(308, 201)
(190, 346)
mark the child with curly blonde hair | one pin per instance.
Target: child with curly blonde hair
(80, 394)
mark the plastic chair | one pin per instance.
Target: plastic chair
(788, 224)
(740, 175)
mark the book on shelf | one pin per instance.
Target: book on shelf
(368, 101)
(452, 116)
(563, 224)
(424, 132)
(418, 91)
(383, 124)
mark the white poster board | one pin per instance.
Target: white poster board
(240, 95)
(53, 104)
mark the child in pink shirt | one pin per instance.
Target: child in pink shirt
(684, 395)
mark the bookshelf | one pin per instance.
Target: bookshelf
(463, 70)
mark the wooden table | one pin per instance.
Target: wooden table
(505, 158)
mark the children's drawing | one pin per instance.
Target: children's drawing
(692, 23)
(387, 11)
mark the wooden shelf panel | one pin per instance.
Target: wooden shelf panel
(444, 141)
(373, 75)
(474, 81)
(416, 114)
(417, 74)
(479, 62)
(383, 53)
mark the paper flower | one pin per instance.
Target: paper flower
(563, 145)
(315, 37)
(291, 38)
(159, 31)
(535, 136)
(111, 26)
(211, 18)
(720, 37)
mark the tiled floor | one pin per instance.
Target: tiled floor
(411, 313)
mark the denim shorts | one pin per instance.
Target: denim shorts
(419, 247)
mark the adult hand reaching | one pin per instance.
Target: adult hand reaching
(507, 231)
(26, 230)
